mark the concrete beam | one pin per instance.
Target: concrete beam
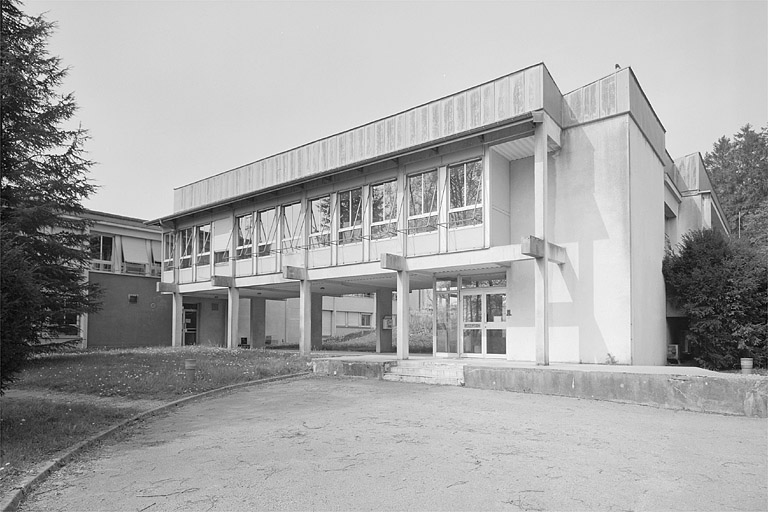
(534, 246)
(393, 262)
(223, 281)
(299, 273)
(167, 287)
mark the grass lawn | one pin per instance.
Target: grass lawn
(34, 429)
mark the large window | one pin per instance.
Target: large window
(293, 227)
(267, 225)
(466, 194)
(185, 244)
(350, 216)
(222, 238)
(320, 222)
(169, 250)
(244, 226)
(204, 244)
(422, 205)
(101, 252)
(384, 200)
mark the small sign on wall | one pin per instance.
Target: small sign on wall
(387, 322)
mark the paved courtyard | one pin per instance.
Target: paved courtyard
(333, 444)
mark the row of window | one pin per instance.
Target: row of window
(132, 258)
(257, 232)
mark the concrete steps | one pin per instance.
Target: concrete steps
(447, 373)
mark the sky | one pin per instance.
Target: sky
(172, 92)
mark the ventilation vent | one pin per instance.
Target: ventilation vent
(133, 298)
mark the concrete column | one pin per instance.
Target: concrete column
(383, 308)
(233, 313)
(305, 317)
(177, 331)
(403, 313)
(258, 325)
(540, 195)
(317, 321)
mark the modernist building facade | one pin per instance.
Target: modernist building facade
(537, 219)
(126, 263)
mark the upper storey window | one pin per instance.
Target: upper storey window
(350, 216)
(422, 204)
(169, 247)
(384, 199)
(101, 252)
(244, 226)
(293, 227)
(466, 194)
(185, 245)
(266, 222)
(222, 235)
(320, 221)
(204, 244)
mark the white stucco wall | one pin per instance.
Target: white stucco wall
(647, 248)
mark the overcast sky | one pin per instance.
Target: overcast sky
(174, 91)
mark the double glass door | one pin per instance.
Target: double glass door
(483, 322)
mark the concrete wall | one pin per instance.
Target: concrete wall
(122, 324)
(499, 193)
(589, 214)
(646, 175)
(211, 321)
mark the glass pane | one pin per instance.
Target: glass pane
(414, 189)
(267, 226)
(496, 340)
(473, 341)
(495, 307)
(447, 320)
(344, 216)
(456, 181)
(474, 184)
(320, 210)
(422, 224)
(292, 226)
(204, 239)
(473, 308)
(446, 284)
(245, 230)
(357, 204)
(430, 191)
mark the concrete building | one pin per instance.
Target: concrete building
(126, 264)
(537, 219)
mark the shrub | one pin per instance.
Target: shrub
(722, 286)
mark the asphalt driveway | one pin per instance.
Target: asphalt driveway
(342, 444)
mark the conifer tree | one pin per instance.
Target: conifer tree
(43, 245)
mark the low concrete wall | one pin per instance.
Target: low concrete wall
(742, 395)
(340, 368)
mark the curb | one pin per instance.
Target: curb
(12, 503)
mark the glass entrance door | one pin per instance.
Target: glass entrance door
(190, 324)
(484, 326)
(447, 323)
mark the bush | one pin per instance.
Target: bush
(722, 287)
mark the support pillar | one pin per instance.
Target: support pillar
(383, 308)
(177, 331)
(233, 314)
(540, 195)
(316, 315)
(403, 313)
(305, 317)
(258, 331)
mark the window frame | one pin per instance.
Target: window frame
(265, 245)
(169, 250)
(244, 251)
(186, 247)
(319, 237)
(294, 238)
(455, 212)
(203, 254)
(386, 228)
(417, 218)
(353, 233)
(101, 263)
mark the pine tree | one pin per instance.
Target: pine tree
(43, 245)
(739, 170)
